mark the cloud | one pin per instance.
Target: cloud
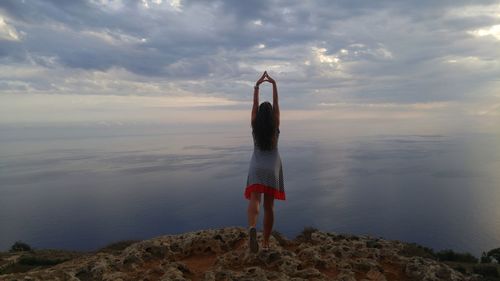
(493, 31)
(63, 108)
(320, 52)
(8, 32)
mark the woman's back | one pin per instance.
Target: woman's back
(265, 174)
(274, 145)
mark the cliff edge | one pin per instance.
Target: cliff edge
(222, 254)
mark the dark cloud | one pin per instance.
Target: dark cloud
(375, 51)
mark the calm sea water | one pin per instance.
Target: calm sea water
(84, 187)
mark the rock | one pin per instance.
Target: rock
(363, 265)
(375, 275)
(373, 244)
(308, 273)
(222, 254)
(443, 272)
(346, 276)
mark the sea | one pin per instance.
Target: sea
(81, 187)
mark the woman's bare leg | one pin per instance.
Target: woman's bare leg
(253, 209)
(268, 218)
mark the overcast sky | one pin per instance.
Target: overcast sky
(105, 56)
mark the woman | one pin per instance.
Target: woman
(265, 175)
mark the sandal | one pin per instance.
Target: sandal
(253, 245)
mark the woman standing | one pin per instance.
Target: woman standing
(265, 175)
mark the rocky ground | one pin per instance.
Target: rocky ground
(222, 254)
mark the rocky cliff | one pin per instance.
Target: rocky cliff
(222, 254)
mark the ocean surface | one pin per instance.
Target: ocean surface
(82, 187)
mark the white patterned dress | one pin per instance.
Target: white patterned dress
(265, 174)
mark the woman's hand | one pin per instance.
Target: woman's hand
(261, 79)
(269, 79)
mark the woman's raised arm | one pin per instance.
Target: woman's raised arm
(256, 96)
(276, 107)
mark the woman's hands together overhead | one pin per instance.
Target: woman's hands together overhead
(269, 79)
(263, 78)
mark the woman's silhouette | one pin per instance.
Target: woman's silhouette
(265, 174)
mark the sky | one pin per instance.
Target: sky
(197, 61)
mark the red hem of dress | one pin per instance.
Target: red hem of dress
(279, 195)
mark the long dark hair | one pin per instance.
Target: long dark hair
(264, 127)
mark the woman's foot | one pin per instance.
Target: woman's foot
(253, 244)
(265, 246)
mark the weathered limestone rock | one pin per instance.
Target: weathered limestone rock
(222, 254)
